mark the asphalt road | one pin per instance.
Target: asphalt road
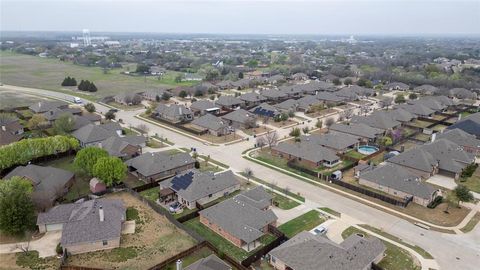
(450, 251)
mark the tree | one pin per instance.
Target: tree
(136, 99)
(252, 63)
(295, 132)
(319, 123)
(386, 102)
(260, 141)
(17, 212)
(110, 170)
(90, 107)
(248, 173)
(347, 81)
(400, 98)
(142, 68)
(463, 194)
(240, 75)
(329, 122)
(412, 96)
(165, 96)
(64, 124)
(178, 78)
(88, 157)
(250, 122)
(198, 93)
(386, 141)
(110, 115)
(37, 121)
(336, 81)
(182, 94)
(305, 130)
(144, 129)
(207, 160)
(68, 81)
(271, 138)
(348, 113)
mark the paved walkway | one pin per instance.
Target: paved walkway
(45, 245)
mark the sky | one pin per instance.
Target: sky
(319, 17)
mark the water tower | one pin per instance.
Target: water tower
(87, 41)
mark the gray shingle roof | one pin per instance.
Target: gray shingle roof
(211, 262)
(240, 116)
(333, 140)
(239, 218)
(378, 119)
(201, 105)
(153, 163)
(114, 145)
(357, 129)
(43, 106)
(228, 101)
(94, 133)
(257, 197)
(82, 221)
(306, 251)
(54, 114)
(460, 137)
(273, 93)
(398, 178)
(265, 107)
(202, 184)
(287, 105)
(210, 122)
(172, 110)
(329, 97)
(252, 97)
(308, 151)
(418, 109)
(47, 181)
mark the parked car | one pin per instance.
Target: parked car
(320, 230)
(77, 100)
(336, 175)
(174, 207)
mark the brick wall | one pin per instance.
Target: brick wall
(214, 227)
(394, 192)
(95, 246)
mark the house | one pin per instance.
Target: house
(156, 94)
(212, 262)
(299, 76)
(223, 85)
(242, 83)
(378, 119)
(396, 86)
(252, 99)
(273, 95)
(266, 110)
(399, 182)
(54, 114)
(365, 132)
(86, 226)
(91, 134)
(339, 142)
(462, 93)
(276, 79)
(201, 107)
(306, 153)
(173, 113)
(306, 103)
(469, 124)
(150, 167)
(468, 142)
(401, 115)
(289, 105)
(96, 186)
(212, 124)
(128, 98)
(429, 102)
(45, 106)
(329, 98)
(241, 220)
(418, 109)
(360, 91)
(291, 91)
(10, 130)
(306, 251)
(48, 183)
(229, 103)
(426, 89)
(124, 147)
(194, 187)
(347, 94)
(240, 119)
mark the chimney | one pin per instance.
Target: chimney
(179, 264)
(459, 116)
(100, 213)
(434, 135)
(4, 128)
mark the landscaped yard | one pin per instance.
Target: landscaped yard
(472, 223)
(472, 182)
(221, 243)
(422, 137)
(421, 123)
(258, 130)
(274, 187)
(219, 139)
(355, 154)
(151, 194)
(155, 239)
(265, 156)
(439, 128)
(305, 222)
(396, 258)
(282, 202)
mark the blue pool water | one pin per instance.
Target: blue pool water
(367, 149)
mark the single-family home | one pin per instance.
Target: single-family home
(418, 109)
(299, 76)
(212, 124)
(150, 167)
(291, 91)
(399, 182)
(306, 251)
(54, 114)
(201, 107)
(289, 105)
(396, 86)
(156, 94)
(91, 134)
(124, 147)
(212, 262)
(469, 124)
(306, 153)
(365, 132)
(45, 106)
(48, 183)
(339, 142)
(229, 102)
(173, 113)
(266, 110)
(468, 142)
(276, 79)
(462, 93)
(10, 130)
(240, 119)
(347, 94)
(273, 95)
(252, 99)
(378, 119)
(86, 226)
(194, 187)
(329, 98)
(227, 84)
(128, 98)
(426, 89)
(306, 103)
(242, 220)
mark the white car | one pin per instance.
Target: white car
(320, 230)
(77, 100)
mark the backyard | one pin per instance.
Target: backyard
(395, 258)
(305, 222)
(221, 243)
(155, 239)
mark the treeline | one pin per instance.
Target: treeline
(22, 152)
(87, 86)
(69, 81)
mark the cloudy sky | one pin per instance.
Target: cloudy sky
(393, 17)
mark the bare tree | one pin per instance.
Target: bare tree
(348, 113)
(271, 138)
(144, 129)
(364, 109)
(329, 122)
(261, 142)
(248, 173)
(386, 102)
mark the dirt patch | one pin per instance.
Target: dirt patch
(155, 240)
(282, 123)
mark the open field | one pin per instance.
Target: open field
(155, 239)
(11, 99)
(32, 71)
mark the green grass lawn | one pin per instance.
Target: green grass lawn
(287, 192)
(151, 194)
(354, 154)
(221, 243)
(421, 124)
(304, 222)
(472, 182)
(330, 211)
(422, 137)
(396, 258)
(266, 157)
(439, 128)
(471, 224)
(282, 202)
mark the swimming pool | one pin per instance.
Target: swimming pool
(367, 149)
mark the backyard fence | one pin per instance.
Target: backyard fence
(280, 238)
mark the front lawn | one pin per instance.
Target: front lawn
(395, 258)
(282, 202)
(221, 243)
(304, 222)
(472, 182)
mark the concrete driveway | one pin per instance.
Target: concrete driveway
(443, 181)
(45, 245)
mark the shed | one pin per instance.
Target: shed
(96, 186)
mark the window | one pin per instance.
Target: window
(105, 242)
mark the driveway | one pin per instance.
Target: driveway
(443, 181)
(45, 245)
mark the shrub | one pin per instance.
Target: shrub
(59, 249)
(469, 170)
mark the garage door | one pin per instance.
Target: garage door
(54, 227)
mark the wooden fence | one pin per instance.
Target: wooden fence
(280, 238)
